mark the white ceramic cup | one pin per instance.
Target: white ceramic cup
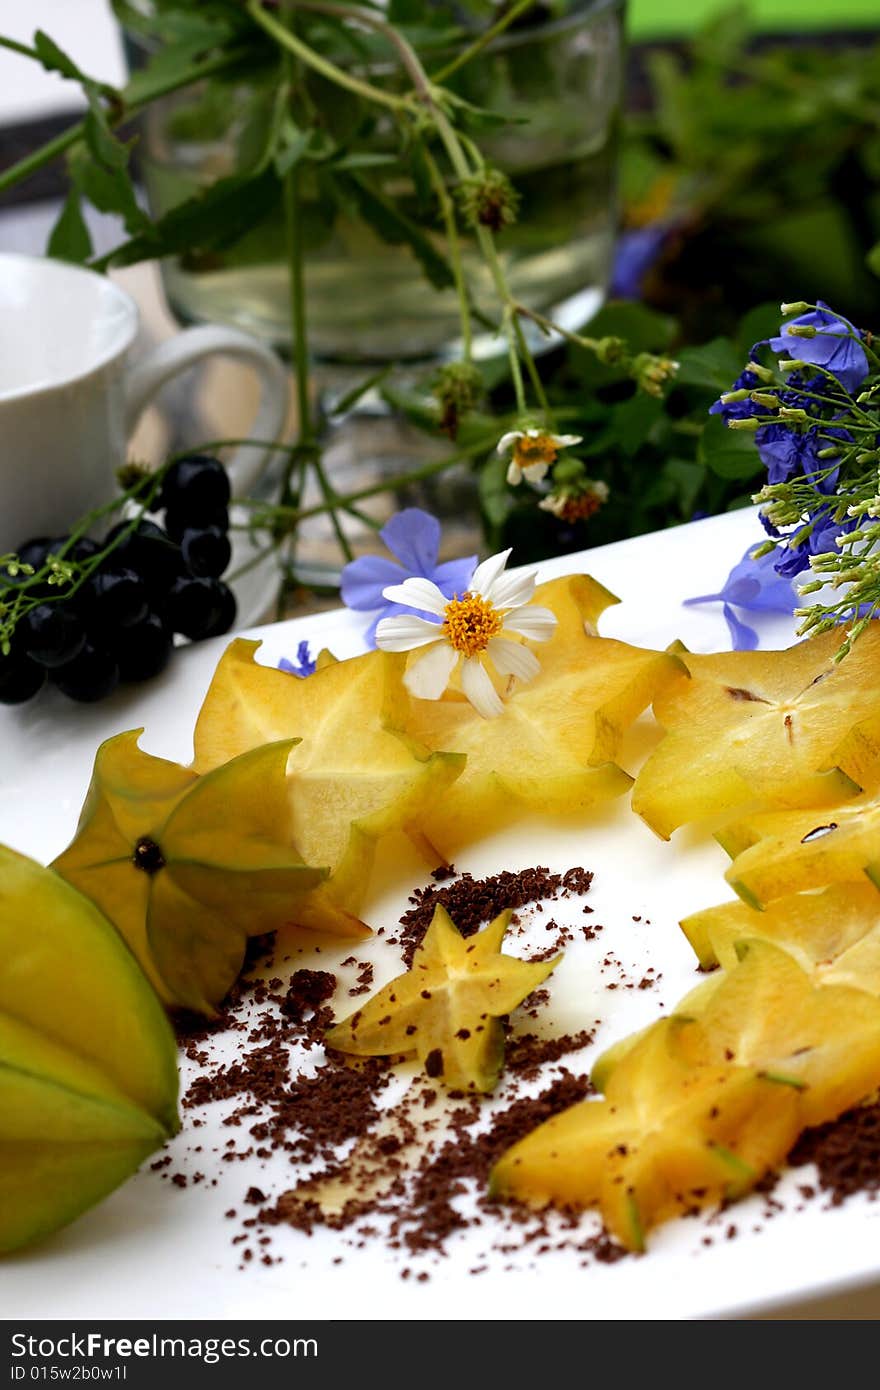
(71, 394)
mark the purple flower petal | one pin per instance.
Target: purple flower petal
(364, 579)
(743, 638)
(833, 347)
(414, 537)
(454, 576)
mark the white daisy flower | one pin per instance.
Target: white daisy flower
(533, 452)
(473, 626)
(577, 506)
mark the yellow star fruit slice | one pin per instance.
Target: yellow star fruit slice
(759, 726)
(447, 1008)
(88, 1062)
(700, 1105)
(667, 1138)
(776, 853)
(354, 774)
(551, 752)
(834, 933)
(188, 867)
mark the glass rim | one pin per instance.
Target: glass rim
(550, 28)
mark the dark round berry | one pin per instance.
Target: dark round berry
(91, 675)
(81, 550)
(195, 484)
(200, 608)
(206, 551)
(52, 634)
(143, 649)
(20, 678)
(149, 552)
(178, 522)
(113, 599)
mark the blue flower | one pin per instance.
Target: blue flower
(414, 537)
(791, 561)
(635, 253)
(740, 410)
(833, 347)
(303, 666)
(756, 586)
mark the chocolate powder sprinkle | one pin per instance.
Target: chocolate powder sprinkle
(846, 1153)
(473, 902)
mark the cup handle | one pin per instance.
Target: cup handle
(145, 377)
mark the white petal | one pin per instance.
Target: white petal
(417, 593)
(403, 633)
(538, 624)
(565, 441)
(428, 677)
(479, 689)
(514, 473)
(507, 441)
(513, 590)
(511, 659)
(534, 472)
(484, 575)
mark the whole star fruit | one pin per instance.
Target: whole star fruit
(760, 728)
(552, 751)
(188, 867)
(88, 1062)
(776, 853)
(355, 774)
(833, 934)
(698, 1106)
(447, 1008)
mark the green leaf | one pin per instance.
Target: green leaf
(495, 495)
(713, 367)
(214, 218)
(761, 322)
(394, 227)
(728, 453)
(69, 239)
(632, 421)
(687, 479)
(873, 259)
(99, 137)
(54, 59)
(644, 329)
(292, 146)
(108, 189)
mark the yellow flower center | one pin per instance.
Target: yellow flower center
(468, 622)
(538, 448)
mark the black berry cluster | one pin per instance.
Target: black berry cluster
(119, 624)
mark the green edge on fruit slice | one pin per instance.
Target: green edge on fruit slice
(88, 1062)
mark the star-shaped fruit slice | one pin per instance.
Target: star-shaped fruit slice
(776, 853)
(88, 1062)
(834, 934)
(188, 867)
(667, 1138)
(353, 775)
(700, 1105)
(552, 750)
(447, 1008)
(759, 727)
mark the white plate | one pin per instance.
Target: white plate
(155, 1251)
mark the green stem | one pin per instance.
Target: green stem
(307, 55)
(39, 158)
(371, 20)
(455, 259)
(488, 36)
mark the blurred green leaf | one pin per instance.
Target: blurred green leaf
(711, 367)
(728, 453)
(69, 239)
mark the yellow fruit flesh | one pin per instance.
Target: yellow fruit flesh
(756, 726)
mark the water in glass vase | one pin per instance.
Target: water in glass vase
(369, 300)
(554, 89)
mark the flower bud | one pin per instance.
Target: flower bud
(800, 330)
(799, 306)
(764, 398)
(751, 422)
(488, 199)
(762, 373)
